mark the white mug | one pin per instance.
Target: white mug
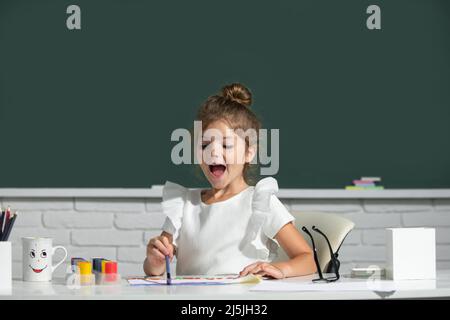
(37, 258)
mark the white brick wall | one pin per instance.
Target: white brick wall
(119, 229)
(144, 221)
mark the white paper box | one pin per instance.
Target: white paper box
(410, 253)
(5, 265)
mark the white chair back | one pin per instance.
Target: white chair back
(335, 227)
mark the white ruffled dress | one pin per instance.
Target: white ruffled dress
(226, 236)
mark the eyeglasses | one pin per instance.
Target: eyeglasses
(335, 263)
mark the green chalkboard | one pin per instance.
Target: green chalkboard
(95, 107)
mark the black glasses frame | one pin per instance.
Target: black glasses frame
(335, 263)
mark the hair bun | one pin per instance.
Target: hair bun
(238, 93)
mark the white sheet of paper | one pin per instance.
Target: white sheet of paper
(193, 280)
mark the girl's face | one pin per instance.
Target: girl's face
(223, 154)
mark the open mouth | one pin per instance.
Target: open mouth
(217, 170)
(37, 270)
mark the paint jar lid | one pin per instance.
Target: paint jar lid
(75, 260)
(97, 264)
(104, 261)
(110, 267)
(85, 267)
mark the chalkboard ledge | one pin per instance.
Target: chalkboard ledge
(156, 192)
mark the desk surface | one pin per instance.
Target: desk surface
(439, 288)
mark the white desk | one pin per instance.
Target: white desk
(439, 288)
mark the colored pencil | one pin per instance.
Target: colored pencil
(169, 279)
(8, 227)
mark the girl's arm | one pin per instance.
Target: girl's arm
(301, 256)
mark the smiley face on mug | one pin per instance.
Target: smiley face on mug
(38, 259)
(37, 254)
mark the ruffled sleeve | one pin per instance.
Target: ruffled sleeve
(268, 217)
(173, 206)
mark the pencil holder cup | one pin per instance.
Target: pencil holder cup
(5, 265)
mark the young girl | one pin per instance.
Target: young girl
(232, 227)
